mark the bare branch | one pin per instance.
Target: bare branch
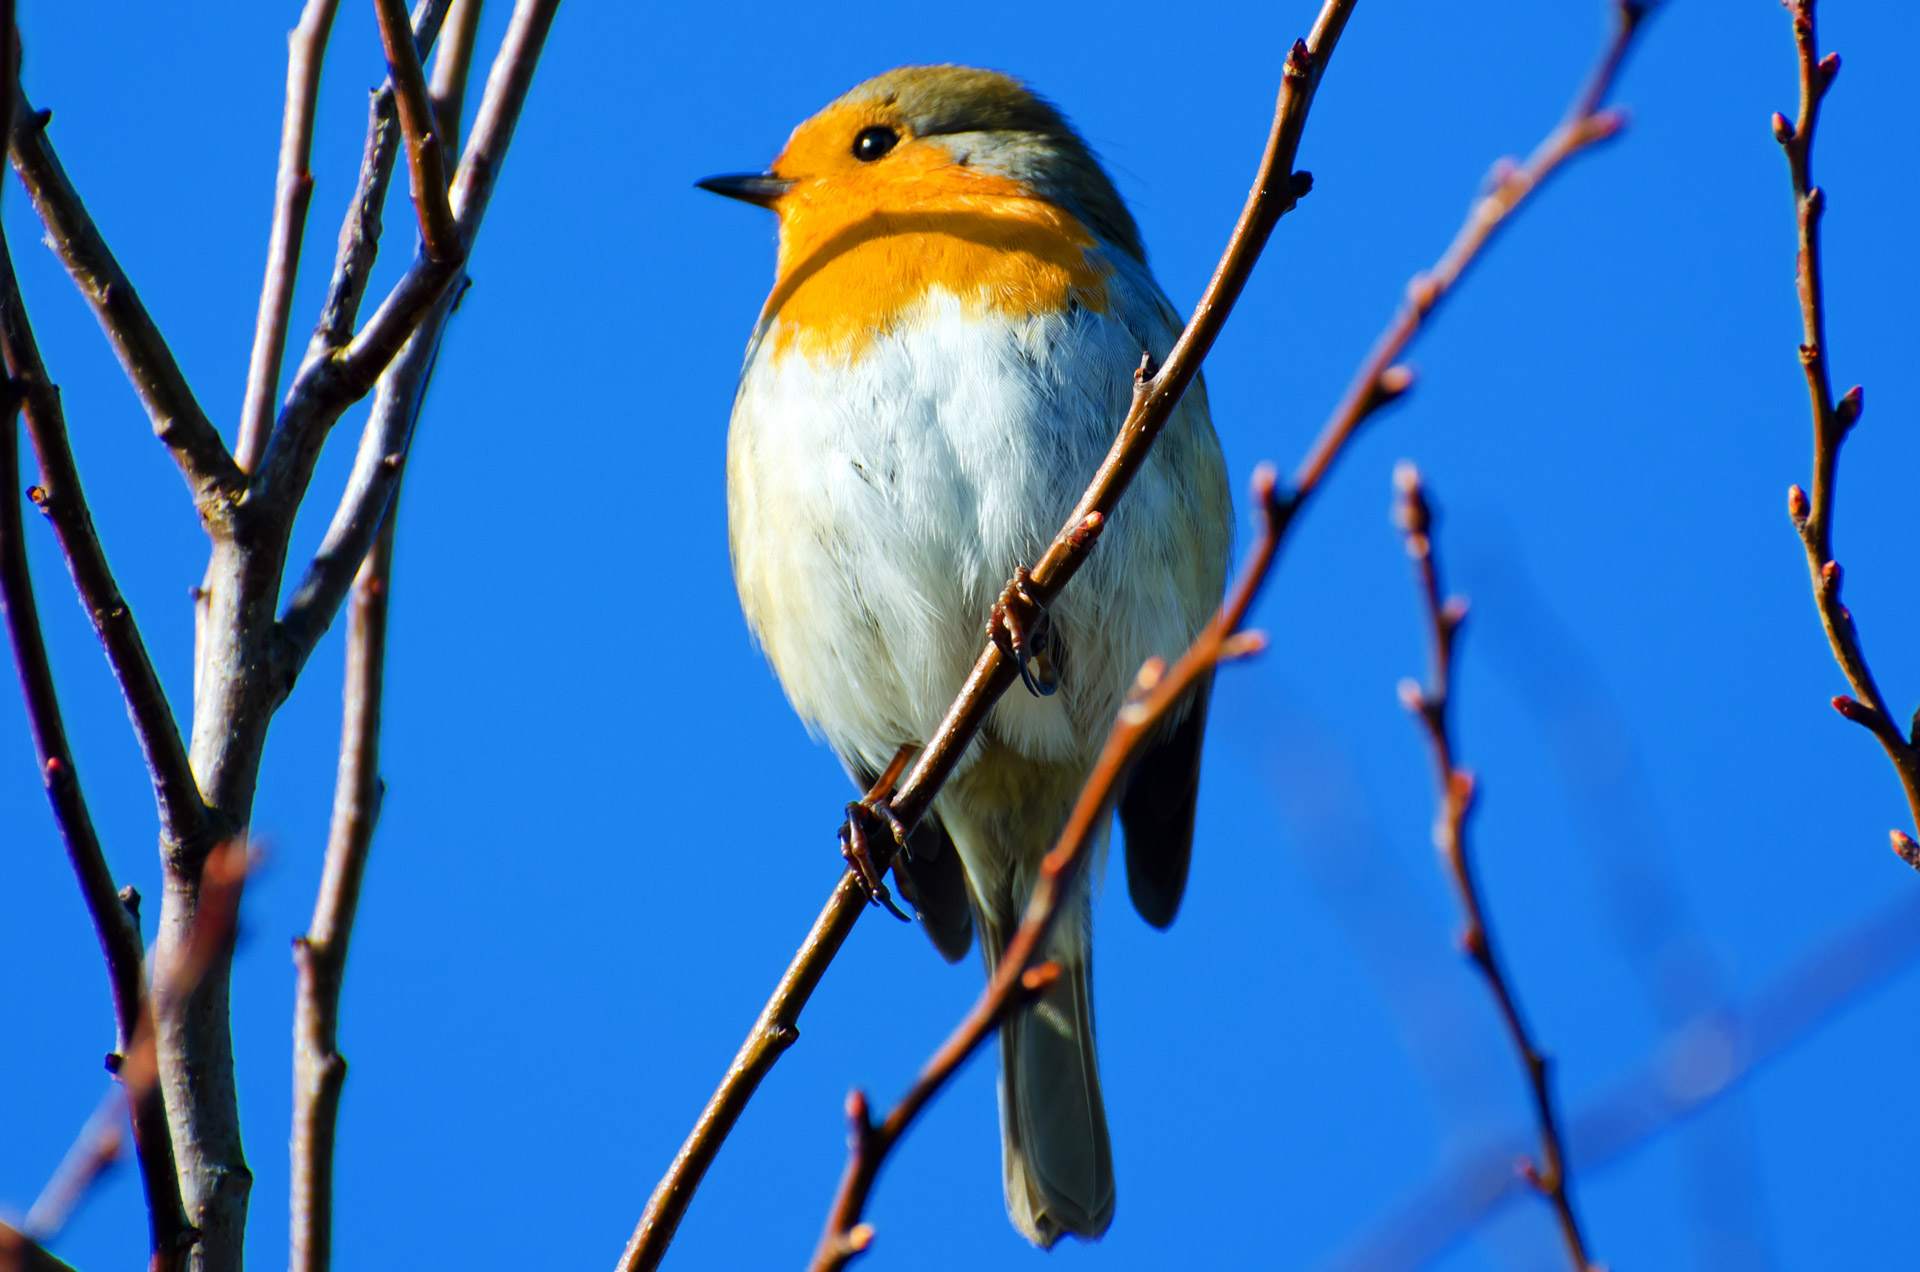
(1832, 421)
(1158, 692)
(92, 1154)
(293, 190)
(384, 444)
(333, 380)
(183, 814)
(178, 421)
(1276, 189)
(115, 921)
(321, 955)
(1549, 1176)
(426, 165)
(21, 1253)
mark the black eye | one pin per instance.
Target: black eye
(873, 143)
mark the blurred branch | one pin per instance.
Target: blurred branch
(292, 192)
(321, 955)
(1158, 692)
(178, 421)
(1695, 1067)
(1277, 188)
(21, 1253)
(1832, 421)
(92, 1154)
(1431, 705)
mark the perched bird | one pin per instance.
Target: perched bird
(960, 303)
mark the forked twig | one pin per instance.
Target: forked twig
(1832, 421)
(178, 421)
(1276, 189)
(1430, 704)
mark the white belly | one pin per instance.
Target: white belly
(877, 509)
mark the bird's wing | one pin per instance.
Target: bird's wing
(1156, 815)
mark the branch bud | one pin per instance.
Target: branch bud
(1847, 409)
(1853, 710)
(1797, 506)
(1782, 129)
(1908, 850)
(1829, 68)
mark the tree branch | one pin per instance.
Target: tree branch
(1832, 421)
(360, 231)
(21, 1253)
(1276, 189)
(426, 164)
(1158, 692)
(336, 378)
(116, 921)
(183, 814)
(321, 955)
(1549, 1177)
(293, 191)
(383, 445)
(178, 421)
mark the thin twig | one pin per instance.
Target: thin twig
(292, 192)
(115, 919)
(426, 164)
(1549, 1176)
(1159, 691)
(184, 818)
(321, 955)
(1276, 189)
(215, 480)
(360, 231)
(1832, 421)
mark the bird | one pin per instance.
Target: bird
(960, 303)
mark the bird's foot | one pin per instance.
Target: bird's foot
(863, 821)
(1021, 626)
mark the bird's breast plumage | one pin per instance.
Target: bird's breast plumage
(887, 472)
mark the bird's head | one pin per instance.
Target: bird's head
(930, 138)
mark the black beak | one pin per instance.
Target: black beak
(758, 188)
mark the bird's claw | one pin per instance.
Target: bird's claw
(863, 819)
(1022, 627)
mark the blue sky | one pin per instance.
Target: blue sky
(605, 831)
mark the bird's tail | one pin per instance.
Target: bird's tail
(1056, 1156)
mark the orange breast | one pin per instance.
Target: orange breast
(855, 257)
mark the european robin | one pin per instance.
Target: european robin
(960, 303)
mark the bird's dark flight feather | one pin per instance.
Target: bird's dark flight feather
(1156, 815)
